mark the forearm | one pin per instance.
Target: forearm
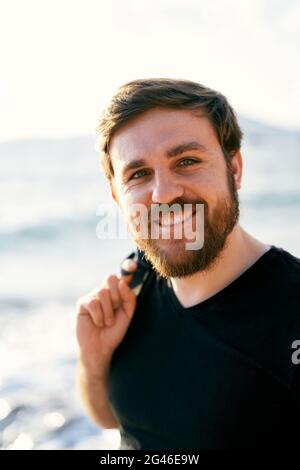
(93, 390)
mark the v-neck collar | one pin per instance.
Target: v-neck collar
(249, 274)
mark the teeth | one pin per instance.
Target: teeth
(174, 219)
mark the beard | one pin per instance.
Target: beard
(171, 258)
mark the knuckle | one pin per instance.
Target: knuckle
(104, 292)
(113, 278)
(94, 303)
(109, 278)
(81, 302)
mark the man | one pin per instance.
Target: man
(205, 356)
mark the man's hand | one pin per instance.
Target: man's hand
(103, 317)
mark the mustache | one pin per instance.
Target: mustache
(178, 206)
(147, 215)
(167, 207)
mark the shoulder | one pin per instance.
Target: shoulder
(289, 262)
(284, 269)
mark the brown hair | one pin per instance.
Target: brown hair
(135, 97)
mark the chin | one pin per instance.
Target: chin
(170, 258)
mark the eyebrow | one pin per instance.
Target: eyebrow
(172, 152)
(184, 147)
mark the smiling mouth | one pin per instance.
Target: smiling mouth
(172, 219)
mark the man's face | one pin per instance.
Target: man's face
(167, 156)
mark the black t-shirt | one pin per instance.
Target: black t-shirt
(219, 374)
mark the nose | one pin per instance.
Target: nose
(166, 189)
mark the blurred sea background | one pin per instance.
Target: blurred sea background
(50, 255)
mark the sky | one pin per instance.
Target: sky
(61, 60)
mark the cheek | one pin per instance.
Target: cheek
(210, 187)
(205, 183)
(136, 195)
(134, 204)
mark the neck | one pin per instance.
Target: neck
(241, 251)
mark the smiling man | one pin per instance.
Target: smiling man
(201, 357)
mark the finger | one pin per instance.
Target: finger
(106, 306)
(128, 297)
(93, 307)
(80, 308)
(112, 283)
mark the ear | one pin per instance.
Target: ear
(237, 168)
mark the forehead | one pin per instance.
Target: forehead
(157, 130)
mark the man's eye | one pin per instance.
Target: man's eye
(136, 173)
(187, 160)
